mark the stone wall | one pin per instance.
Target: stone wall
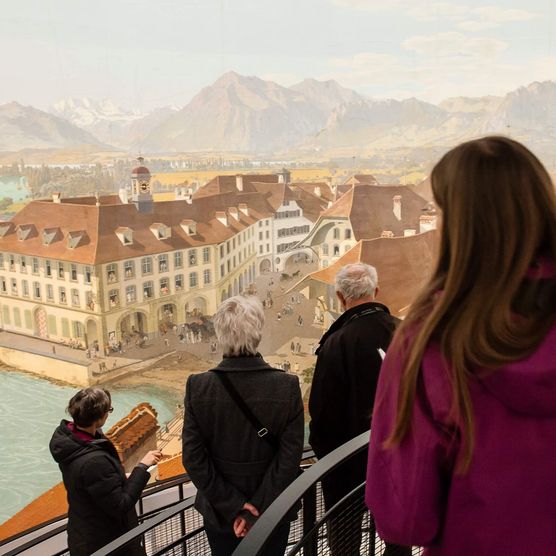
(46, 367)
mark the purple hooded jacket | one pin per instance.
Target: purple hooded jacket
(506, 503)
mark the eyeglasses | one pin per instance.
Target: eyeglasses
(110, 410)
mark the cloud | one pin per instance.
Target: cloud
(455, 46)
(464, 16)
(368, 68)
(474, 26)
(437, 66)
(365, 60)
(470, 18)
(375, 5)
(495, 14)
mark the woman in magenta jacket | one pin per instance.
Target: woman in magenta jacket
(462, 458)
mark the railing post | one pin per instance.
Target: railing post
(309, 519)
(141, 512)
(182, 519)
(372, 535)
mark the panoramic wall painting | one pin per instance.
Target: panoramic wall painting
(151, 167)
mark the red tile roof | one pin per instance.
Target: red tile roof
(403, 265)
(368, 179)
(133, 429)
(424, 189)
(370, 210)
(227, 184)
(102, 217)
(101, 222)
(266, 194)
(355, 179)
(310, 188)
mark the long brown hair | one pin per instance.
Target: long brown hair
(498, 217)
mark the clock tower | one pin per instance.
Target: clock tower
(141, 195)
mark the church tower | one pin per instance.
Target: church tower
(141, 195)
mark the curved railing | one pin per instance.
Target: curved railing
(346, 528)
(178, 530)
(166, 515)
(50, 537)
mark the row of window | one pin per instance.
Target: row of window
(148, 291)
(36, 292)
(335, 249)
(113, 295)
(230, 245)
(288, 214)
(51, 269)
(232, 262)
(285, 246)
(77, 328)
(293, 231)
(249, 273)
(337, 232)
(162, 261)
(264, 223)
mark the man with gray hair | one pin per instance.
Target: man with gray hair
(243, 432)
(343, 390)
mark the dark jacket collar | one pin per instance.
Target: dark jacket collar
(341, 321)
(66, 446)
(244, 363)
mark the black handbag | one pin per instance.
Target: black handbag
(262, 431)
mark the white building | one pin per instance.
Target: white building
(95, 269)
(291, 209)
(367, 212)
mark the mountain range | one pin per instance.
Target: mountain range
(25, 127)
(109, 122)
(252, 115)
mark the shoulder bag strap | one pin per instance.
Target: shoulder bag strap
(364, 313)
(262, 431)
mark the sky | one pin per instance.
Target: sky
(143, 54)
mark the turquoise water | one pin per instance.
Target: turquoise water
(14, 187)
(30, 410)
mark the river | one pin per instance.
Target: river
(30, 409)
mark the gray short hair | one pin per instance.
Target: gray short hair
(357, 280)
(238, 324)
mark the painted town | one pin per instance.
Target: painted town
(182, 209)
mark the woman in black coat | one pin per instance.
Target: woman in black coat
(101, 498)
(237, 473)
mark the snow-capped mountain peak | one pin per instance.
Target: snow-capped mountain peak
(86, 111)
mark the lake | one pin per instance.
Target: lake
(30, 410)
(14, 187)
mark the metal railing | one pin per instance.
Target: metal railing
(169, 524)
(345, 528)
(50, 537)
(341, 527)
(176, 531)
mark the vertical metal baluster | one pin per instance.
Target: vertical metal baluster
(309, 520)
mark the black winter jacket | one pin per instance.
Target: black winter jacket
(226, 460)
(346, 375)
(101, 499)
